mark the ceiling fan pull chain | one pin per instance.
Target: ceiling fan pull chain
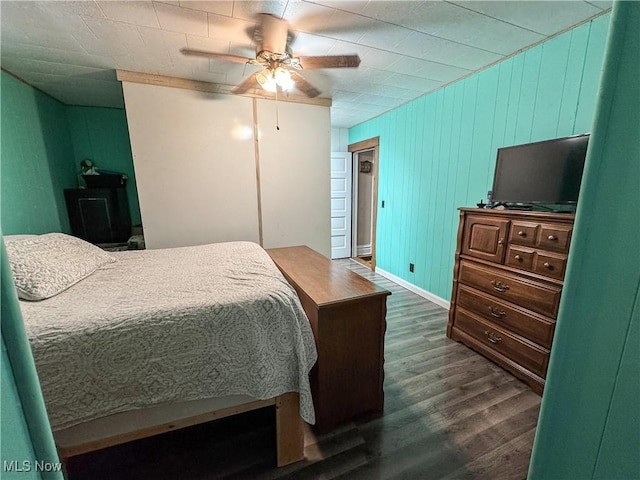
(277, 120)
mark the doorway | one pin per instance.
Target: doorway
(364, 201)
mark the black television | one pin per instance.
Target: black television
(545, 173)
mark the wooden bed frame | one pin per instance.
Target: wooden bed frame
(101, 433)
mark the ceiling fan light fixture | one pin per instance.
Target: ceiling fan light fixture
(283, 78)
(263, 75)
(266, 80)
(272, 78)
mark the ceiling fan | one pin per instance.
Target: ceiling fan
(281, 68)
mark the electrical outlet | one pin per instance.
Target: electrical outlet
(411, 267)
(382, 204)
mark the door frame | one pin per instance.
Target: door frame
(355, 202)
(368, 144)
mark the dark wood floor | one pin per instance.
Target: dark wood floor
(449, 414)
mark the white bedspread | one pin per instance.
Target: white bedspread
(169, 325)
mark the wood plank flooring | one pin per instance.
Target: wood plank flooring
(449, 414)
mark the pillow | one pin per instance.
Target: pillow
(18, 237)
(45, 265)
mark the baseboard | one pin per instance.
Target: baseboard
(415, 289)
(363, 250)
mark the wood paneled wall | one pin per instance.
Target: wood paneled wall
(437, 153)
(36, 150)
(102, 135)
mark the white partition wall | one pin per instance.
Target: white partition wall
(193, 155)
(295, 175)
(196, 168)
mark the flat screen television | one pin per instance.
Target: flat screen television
(547, 172)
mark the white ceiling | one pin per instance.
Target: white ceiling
(70, 50)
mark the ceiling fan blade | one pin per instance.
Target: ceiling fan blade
(247, 85)
(329, 61)
(304, 86)
(217, 56)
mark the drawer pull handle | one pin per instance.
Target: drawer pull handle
(547, 265)
(522, 233)
(518, 257)
(492, 337)
(552, 237)
(500, 242)
(499, 286)
(496, 312)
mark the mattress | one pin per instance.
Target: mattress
(170, 325)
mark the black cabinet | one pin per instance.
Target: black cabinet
(99, 215)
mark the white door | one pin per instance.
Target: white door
(340, 204)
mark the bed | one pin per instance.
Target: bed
(135, 343)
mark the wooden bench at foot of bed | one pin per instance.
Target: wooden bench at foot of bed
(347, 313)
(137, 424)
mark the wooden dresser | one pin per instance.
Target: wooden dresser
(507, 281)
(347, 315)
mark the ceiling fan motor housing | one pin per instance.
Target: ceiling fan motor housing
(274, 33)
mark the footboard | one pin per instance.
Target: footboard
(134, 425)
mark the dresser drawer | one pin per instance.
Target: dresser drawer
(520, 257)
(530, 356)
(554, 237)
(522, 322)
(548, 236)
(524, 233)
(550, 264)
(536, 296)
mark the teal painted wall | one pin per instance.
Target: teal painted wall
(25, 429)
(102, 135)
(437, 153)
(35, 153)
(42, 144)
(589, 426)
(15, 442)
